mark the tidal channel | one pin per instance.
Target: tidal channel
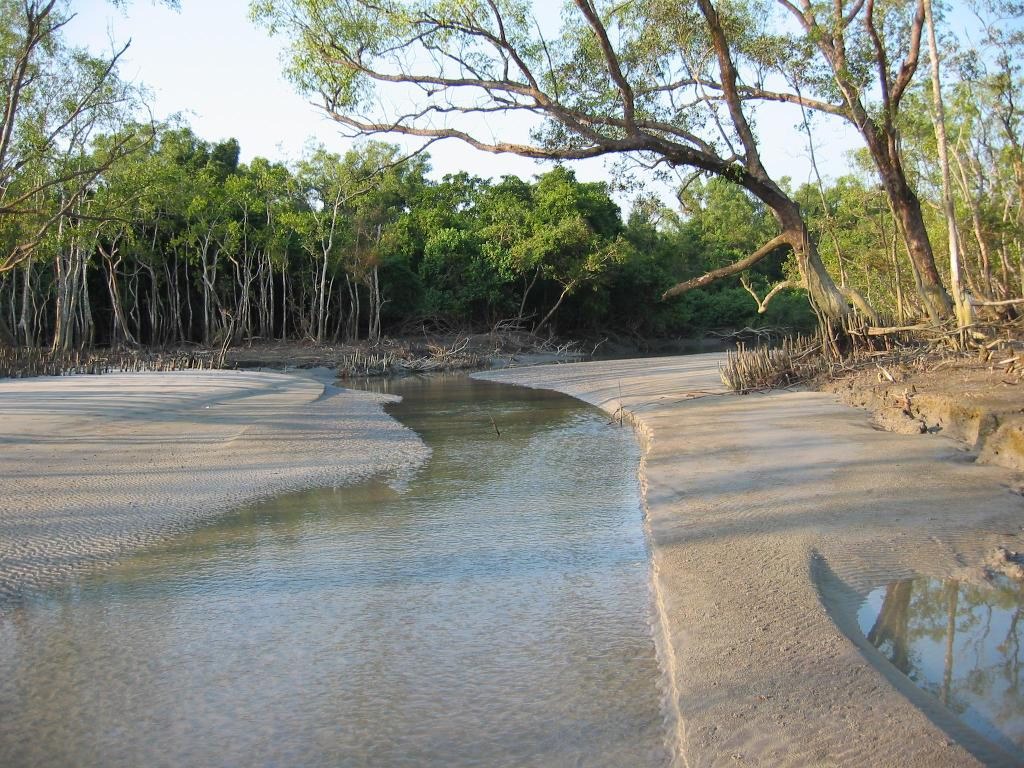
(492, 608)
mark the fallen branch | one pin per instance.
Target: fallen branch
(1004, 303)
(885, 331)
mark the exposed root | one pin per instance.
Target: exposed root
(22, 362)
(890, 351)
(762, 367)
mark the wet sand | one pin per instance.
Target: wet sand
(771, 517)
(93, 465)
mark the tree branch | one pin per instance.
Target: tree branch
(749, 91)
(762, 304)
(611, 61)
(909, 66)
(881, 59)
(730, 90)
(738, 266)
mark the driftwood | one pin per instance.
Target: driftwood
(888, 330)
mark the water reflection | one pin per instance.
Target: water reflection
(960, 642)
(490, 609)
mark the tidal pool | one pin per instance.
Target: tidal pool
(490, 609)
(961, 643)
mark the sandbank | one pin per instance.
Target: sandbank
(771, 516)
(94, 465)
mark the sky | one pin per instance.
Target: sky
(210, 63)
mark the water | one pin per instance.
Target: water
(490, 610)
(959, 642)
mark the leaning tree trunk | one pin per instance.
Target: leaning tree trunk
(566, 290)
(824, 294)
(527, 287)
(822, 290)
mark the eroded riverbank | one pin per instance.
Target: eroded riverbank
(772, 516)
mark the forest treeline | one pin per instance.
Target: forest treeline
(116, 232)
(179, 242)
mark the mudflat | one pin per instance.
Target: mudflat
(93, 465)
(771, 517)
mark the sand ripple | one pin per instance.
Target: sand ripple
(92, 465)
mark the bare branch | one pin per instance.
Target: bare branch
(762, 304)
(364, 127)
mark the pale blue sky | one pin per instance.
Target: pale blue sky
(211, 63)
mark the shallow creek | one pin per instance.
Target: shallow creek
(490, 609)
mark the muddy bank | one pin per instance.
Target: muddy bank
(979, 405)
(771, 517)
(93, 465)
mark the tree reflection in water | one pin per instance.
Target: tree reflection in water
(960, 642)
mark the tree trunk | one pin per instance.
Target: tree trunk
(26, 329)
(825, 296)
(952, 597)
(120, 332)
(284, 301)
(892, 624)
(321, 301)
(881, 135)
(526, 293)
(566, 290)
(6, 334)
(86, 324)
(962, 305)
(984, 252)
(211, 301)
(908, 209)
(373, 322)
(889, 244)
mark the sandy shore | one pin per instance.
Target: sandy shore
(771, 517)
(92, 465)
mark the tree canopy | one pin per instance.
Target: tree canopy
(663, 83)
(120, 231)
